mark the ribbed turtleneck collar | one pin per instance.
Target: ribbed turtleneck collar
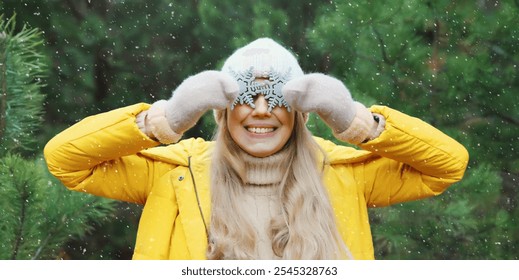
(267, 170)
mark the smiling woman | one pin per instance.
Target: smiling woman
(265, 188)
(257, 130)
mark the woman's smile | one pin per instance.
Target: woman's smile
(258, 131)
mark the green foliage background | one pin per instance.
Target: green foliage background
(451, 63)
(38, 215)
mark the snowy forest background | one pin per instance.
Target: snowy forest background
(452, 63)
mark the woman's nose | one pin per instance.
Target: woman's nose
(262, 106)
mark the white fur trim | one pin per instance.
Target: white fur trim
(360, 128)
(378, 128)
(140, 119)
(158, 125)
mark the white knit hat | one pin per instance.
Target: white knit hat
(264, 55)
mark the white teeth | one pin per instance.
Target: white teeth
(260, 130)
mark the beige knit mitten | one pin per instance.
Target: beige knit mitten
(331, 100)
(166, 121)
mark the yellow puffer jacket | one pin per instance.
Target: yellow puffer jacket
(107, 155)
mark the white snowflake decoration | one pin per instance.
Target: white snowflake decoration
(270, 89)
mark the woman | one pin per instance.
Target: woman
(265, 188)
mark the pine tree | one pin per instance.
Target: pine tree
(453, 65)
(38, 214)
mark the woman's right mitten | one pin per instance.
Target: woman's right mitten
(168, 120)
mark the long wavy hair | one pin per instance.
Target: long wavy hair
(305, 230)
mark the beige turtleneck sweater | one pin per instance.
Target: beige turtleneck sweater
(261, 198)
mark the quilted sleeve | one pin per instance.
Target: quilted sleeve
(416, 160)
(98, 155)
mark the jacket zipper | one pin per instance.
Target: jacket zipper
(197, 197)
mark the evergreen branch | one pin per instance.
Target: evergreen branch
(3, 86)
(26, 195)
(500, 51)
(391, 16)
(496, 113)
(4, 34)
(385, 57)
(506, 118)
(42, 245)
(75, 11)
(19, 231)
(22, 68)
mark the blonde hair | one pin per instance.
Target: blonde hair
(307, 228)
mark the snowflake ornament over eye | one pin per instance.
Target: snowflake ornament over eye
(269, 88)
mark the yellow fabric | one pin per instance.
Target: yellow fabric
(107, 155)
